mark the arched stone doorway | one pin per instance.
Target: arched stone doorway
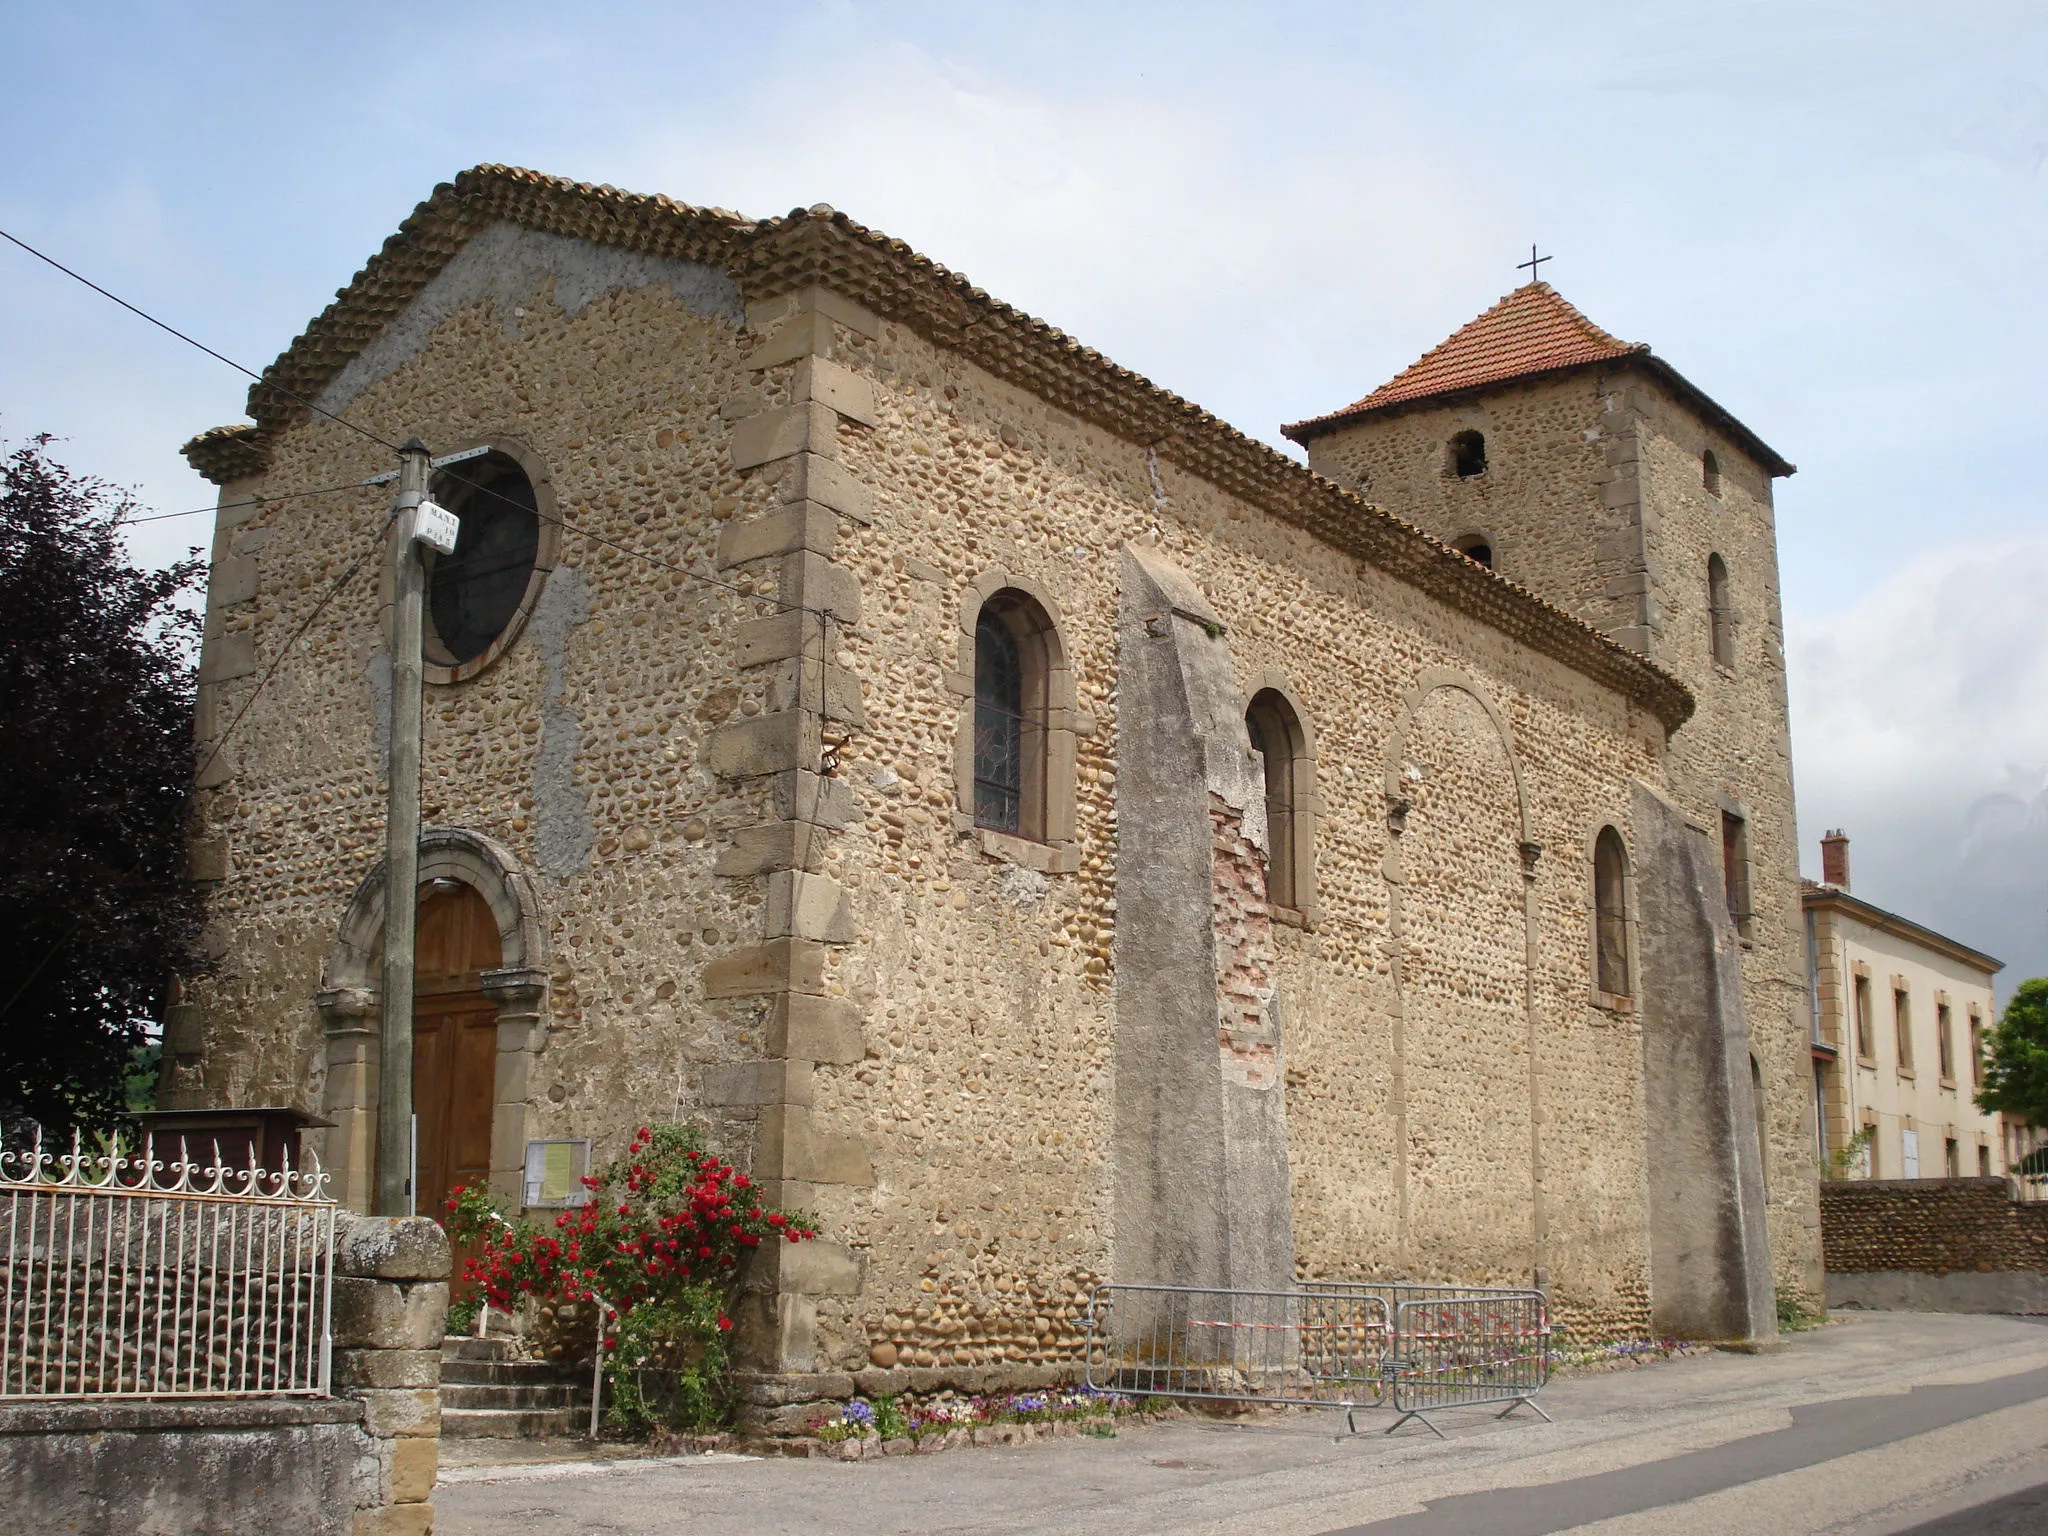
(479, 1022)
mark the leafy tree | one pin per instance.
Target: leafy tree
(2016, 1056)
(96, 691)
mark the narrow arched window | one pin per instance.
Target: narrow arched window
(1468, 454)
(1763, 1134)
(1282, 748)
(1610, 914)
(998, 726)
(1720, 616)
(1710, 473)
(1475, 546)
(1015, 656)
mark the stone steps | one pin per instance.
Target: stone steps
(487, 1393)
(512, 1423)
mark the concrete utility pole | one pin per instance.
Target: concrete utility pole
(402, 838)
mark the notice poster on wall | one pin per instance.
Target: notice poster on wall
(555, 1170)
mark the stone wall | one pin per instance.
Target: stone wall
(1935, 1225)
(361, 1463)
(110, 1468)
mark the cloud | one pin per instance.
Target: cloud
(1917, 720)
(1168, 229)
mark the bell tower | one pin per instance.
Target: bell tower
(1590, 471)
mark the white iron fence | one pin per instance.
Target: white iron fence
(127, 1276)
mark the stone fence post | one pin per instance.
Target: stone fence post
(390, 1308)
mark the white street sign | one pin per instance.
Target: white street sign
(436, 527)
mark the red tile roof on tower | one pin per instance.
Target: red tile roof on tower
(1534, 330)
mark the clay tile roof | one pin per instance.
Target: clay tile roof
(1534, 330)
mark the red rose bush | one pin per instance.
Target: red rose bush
(656, 1247)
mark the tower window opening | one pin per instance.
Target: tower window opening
(1610, 914)
(1468, 454)
(1475, 546)
(1720, 616)
(1710, 473)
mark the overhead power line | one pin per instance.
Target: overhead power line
(365, 432)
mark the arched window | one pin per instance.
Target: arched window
(1468, 454)
(1610, 914)
(1763, 1134)
(474, 594)
(1475, 546)
(1012, 681)
(1277, 737)
(1710, 473)
(1720, 616)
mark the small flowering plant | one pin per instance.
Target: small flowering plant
(659, 1242)
(888, 1418)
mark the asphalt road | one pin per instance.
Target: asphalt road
(1884, 1425)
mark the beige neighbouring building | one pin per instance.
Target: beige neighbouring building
(1034, 827)
(1900, 1013)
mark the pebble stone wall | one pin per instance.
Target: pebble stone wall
(725, 744)
(1930, 1226)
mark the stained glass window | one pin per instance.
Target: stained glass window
(998, 727)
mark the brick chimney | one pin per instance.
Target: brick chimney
(1834, 859)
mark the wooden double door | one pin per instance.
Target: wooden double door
(454, 1042)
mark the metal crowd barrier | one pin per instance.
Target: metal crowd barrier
(1328, 1344)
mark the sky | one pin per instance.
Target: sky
(1830, 217)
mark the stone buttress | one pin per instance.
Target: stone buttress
(1201, 1187)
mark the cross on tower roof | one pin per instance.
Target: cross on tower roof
(1534, 264)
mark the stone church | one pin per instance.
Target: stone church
(1041, 831)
